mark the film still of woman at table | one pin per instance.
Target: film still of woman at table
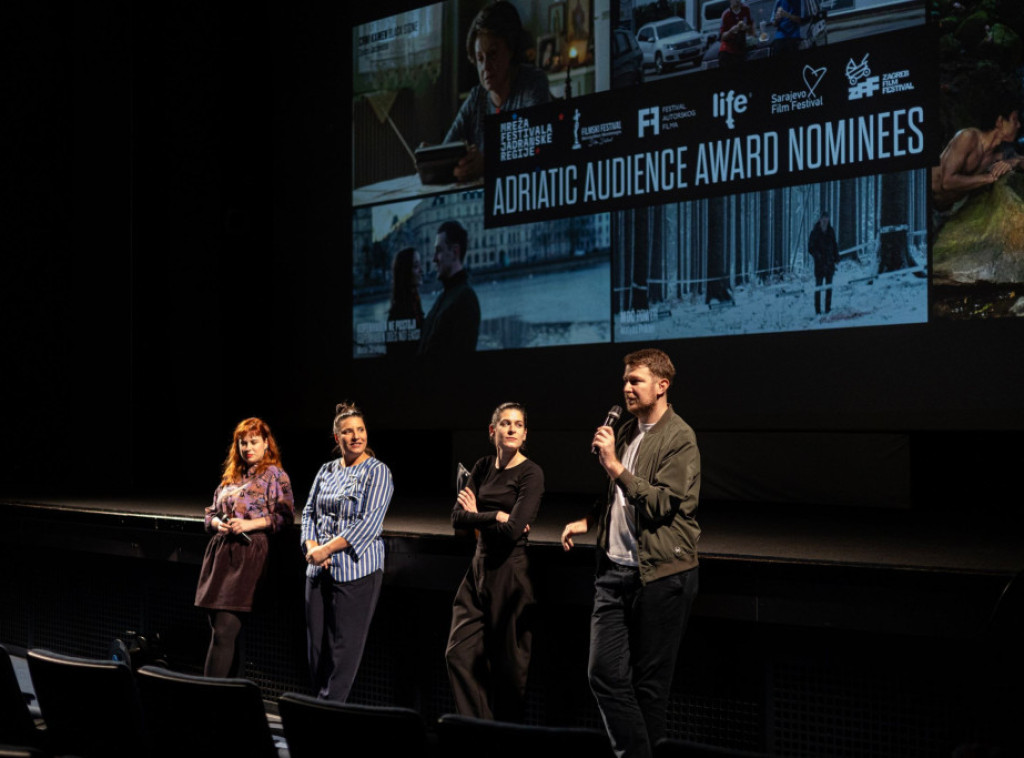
(496, 44)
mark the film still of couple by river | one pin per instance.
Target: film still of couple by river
(564, 303)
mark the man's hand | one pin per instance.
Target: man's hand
(604, 443)
(999, 169)
(471, 166)
(571, 530)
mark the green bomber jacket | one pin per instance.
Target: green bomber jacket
(665, 489)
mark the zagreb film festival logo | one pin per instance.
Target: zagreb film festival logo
(648, 117)
(862, 83)
(576, 130)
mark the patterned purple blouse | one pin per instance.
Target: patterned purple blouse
(267, 495)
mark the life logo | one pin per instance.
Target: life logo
(727, 104)
(862, 83)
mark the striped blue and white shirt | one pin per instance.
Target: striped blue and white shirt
(351, 503)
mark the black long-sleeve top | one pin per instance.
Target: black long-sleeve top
(517, 491)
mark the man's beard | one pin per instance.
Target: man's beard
(638, 408)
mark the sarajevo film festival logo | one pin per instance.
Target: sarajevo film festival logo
(727, 104)
(862, 83)
(648, 117)
(812, 78)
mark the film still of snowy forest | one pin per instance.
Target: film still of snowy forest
(742, 264)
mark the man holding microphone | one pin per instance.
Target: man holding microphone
(646, 576)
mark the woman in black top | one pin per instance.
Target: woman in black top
(488, 651)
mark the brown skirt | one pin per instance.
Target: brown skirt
(230, 572)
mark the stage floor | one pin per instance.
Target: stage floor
(861, 537)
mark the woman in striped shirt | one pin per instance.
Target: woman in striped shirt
(341, 536)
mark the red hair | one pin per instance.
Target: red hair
(234, 466)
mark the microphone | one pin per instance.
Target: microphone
(614, 414)
(245, 537)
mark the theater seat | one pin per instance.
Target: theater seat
(466, 737)
(17, 727)
(90, 706)
(14, 751)
(685, 749)
(367, 729)
(190, 715)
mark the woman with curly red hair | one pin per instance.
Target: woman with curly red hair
(254, 498)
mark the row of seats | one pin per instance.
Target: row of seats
(93, 707)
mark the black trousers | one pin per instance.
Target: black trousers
(488, 652)
(819, 280)
(635, 632)
(338, 616)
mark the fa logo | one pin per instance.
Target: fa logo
(725, 104)
(648, 117)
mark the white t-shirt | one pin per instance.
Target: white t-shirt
(622, 547)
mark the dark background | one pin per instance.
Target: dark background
(176, 257)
